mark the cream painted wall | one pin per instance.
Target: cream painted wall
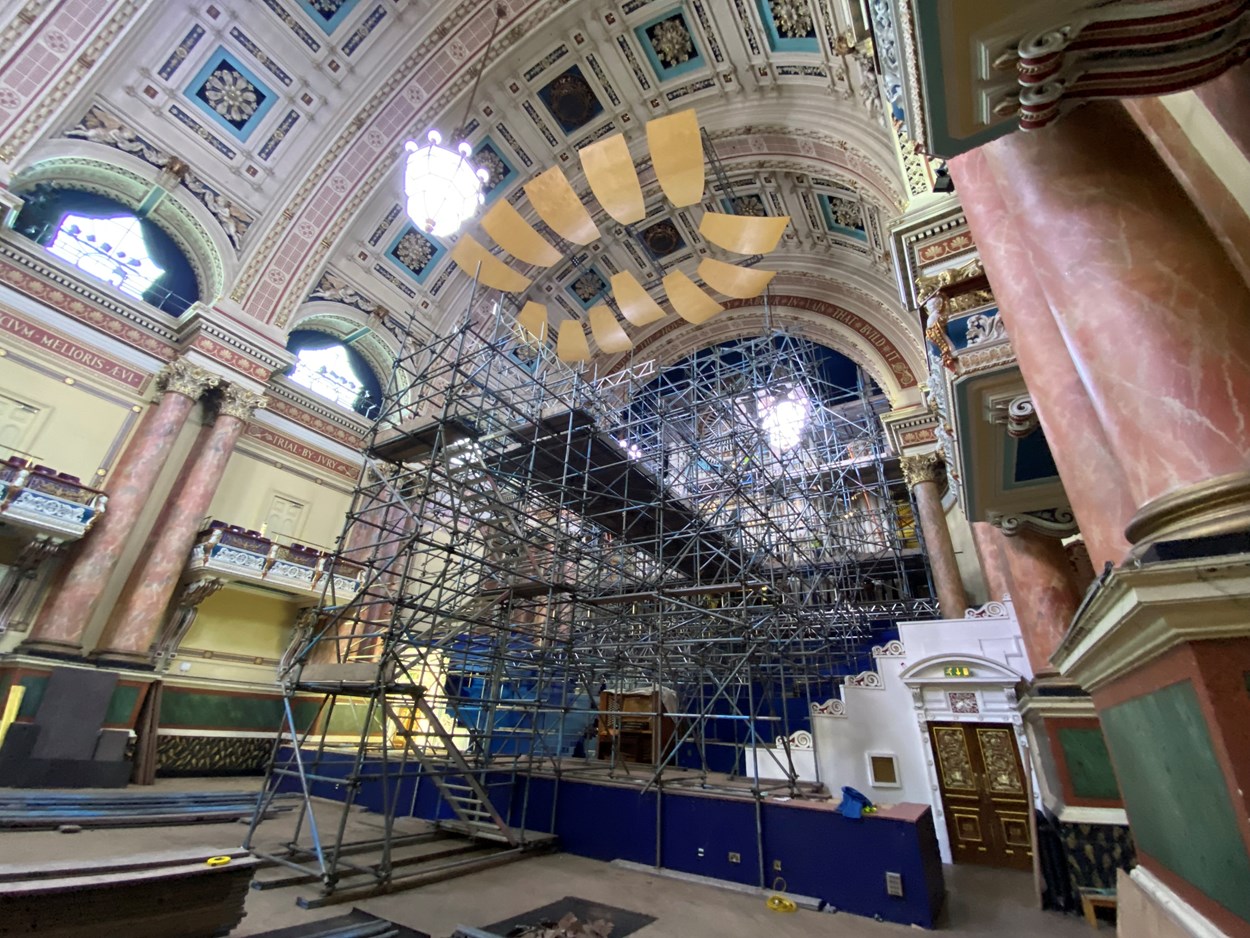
(251, 482)
(237, 621)
(74, 429)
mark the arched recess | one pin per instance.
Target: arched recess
(377, 347)
(822, 322)
(91, 167)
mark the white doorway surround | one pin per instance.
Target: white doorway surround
(946, 670)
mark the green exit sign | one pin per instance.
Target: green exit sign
(957, 672)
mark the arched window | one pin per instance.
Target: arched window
(334, 370)
(110, 242)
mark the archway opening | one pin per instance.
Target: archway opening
(111, 242)
(333, 370)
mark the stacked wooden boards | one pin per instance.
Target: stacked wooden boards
(188, 893)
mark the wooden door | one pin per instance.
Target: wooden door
(983, 793)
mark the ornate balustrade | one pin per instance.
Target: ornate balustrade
(236, 554)
(47, 502)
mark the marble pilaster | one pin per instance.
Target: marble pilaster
(1092, 476)
(1228, 99)
(1204, 186)
(1154, 314)
(922, 474)
(1044, 591)
(77, 592)
(993, 563)
(139, 613)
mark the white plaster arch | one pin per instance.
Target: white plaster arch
(94, 167)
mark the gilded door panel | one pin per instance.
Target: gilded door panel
(1002, 771)
(953, 759)
(984, 794)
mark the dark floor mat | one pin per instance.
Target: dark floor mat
(356, 924)
(624, 922)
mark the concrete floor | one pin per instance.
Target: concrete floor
(980, 901)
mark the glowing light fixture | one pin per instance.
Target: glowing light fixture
(442, 187)
(784, 418)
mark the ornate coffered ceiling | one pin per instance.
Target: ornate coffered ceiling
(288, 118)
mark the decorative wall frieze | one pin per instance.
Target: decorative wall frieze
(925, 467)
(24, 267)
(295, 404)
(62, 346)
(1052, 522)
(1016, 413)
(911, 428)
(284, 444)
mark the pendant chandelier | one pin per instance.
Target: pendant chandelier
(443, 189)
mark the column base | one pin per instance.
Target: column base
(130, 660)
(49, 648)
(1209, 509)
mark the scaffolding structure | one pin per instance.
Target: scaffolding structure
(726, 538)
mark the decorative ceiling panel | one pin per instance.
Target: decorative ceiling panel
(669, 45)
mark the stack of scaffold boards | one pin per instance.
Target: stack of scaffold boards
(44, 810)
(188, 893)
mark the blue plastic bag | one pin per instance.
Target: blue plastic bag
(853, 803)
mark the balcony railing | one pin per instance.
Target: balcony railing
(46, 501)
(250, 556)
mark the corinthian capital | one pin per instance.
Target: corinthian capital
(927, 467)
(239, 402)
(181, 377)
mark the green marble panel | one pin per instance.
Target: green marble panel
(182, 708)
(1177, 799)
(1089, 763)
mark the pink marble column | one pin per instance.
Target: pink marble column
(1204, 186)
(1154, 314)
(993, 564)
(922, 474)
(1092, 476)
(140, 611)
(1043, 592)
(75, 595)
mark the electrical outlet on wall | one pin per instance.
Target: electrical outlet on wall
(700, 851)
(735, 857)
(776, 866)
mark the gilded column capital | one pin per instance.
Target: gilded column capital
(927, 467)
(240, 402)
(181, 377)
